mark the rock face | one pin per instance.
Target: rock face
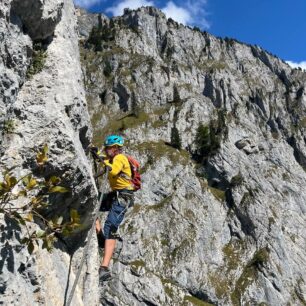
(219, 127)
(222, 220)
(43, 102)
(86, 22)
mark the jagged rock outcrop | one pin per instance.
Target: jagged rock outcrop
(221, 221)
(43, 102)
(86, 22)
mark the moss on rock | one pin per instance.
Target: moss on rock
(188, 299)
(160, 149)
(217, 193)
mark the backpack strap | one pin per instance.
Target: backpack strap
(124, 175)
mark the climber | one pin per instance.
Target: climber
(116, 202)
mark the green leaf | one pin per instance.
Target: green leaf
(9, 183)
(45, 149)
(75, 217)
(58, 189)
(75, 225)
(40, 234)
(31, 247)
(54, 180)
(44, 245)
(22, 193)
(44, 204)
(66, 231)
(7, 179)
(60, 220)
(26, 180)
(49, 243)
(54, 220)
(29, 218)
(18, 218)
(13, 181)
(32, 183)
(24, 240)
(35, 201)
(21, 221)
(41, 157)
(5, 187)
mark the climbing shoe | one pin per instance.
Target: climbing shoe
(104, 274)
(101, 240)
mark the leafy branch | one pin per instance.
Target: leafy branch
(36, 192)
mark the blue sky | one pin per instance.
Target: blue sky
(278, 26)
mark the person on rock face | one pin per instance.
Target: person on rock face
(116, 202)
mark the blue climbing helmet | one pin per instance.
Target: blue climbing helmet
(112, 140)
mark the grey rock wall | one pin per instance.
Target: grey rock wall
(220, 226)
(46, 107)
(225, 226)
(86, 22)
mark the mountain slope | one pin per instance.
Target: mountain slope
(222, 220)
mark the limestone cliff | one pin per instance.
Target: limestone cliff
(43, 102)
(219, 128)
(222, 219)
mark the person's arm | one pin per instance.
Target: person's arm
(97, 154)
(116, 167)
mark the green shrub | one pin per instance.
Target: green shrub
(176, 95)
(236, 180)
(95, 38)
(8, 126)
(100, 34)
(197, 29)
(35, 193)
(170, 52)
(208, 137)
(108, 69)
(195, 301)
(260, 257)
(207, 141)
(175, 138)
(38, 60)
(203, 138)
(217, 193)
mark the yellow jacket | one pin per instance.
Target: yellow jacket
(120, 174)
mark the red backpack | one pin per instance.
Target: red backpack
(136, 179)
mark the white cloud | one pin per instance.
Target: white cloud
(117, 10)
(177, 13)
(86, 3)
(198, 13)
(190, 12)
(296, 65)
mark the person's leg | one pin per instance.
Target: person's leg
(113, 220)
(110, 245)
(105, 206)
(98, 226)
